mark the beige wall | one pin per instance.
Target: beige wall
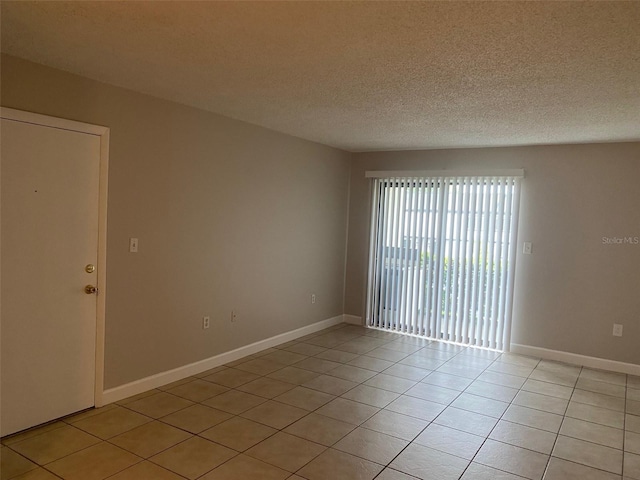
(572, 289)
(229, 216)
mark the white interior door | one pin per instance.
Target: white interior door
(50, 198)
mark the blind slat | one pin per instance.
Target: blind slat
(505, 259)
(438, 260)
(405, 250)
(489, 266)
(413, 279)
(469, 263)
(397, 253)
(384, 291)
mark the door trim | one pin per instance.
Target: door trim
(103, 133)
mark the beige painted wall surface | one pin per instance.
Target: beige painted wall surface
(228, 216)
(572, 289)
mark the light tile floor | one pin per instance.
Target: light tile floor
(353, 403)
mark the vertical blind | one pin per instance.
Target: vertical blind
(441, 257)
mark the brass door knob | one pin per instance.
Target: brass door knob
(90, 290)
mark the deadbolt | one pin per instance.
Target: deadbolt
(90, 268)
(90, 290)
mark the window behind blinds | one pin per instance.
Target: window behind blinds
(442, 254)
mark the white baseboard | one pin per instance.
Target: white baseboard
(138, 386)
(352, 319)
(576, 359)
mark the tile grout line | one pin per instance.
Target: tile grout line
(564, 416)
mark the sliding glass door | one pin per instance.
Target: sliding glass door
(442, 254)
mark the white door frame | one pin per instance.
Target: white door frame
(103, 133)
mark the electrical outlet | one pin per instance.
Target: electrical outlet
(313, 298)
(205, 322)
(617, 330)
(234, 316)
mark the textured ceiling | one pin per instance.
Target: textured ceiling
(362, 75)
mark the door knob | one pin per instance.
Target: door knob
(90, 290)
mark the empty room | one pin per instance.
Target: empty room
(320, 240)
